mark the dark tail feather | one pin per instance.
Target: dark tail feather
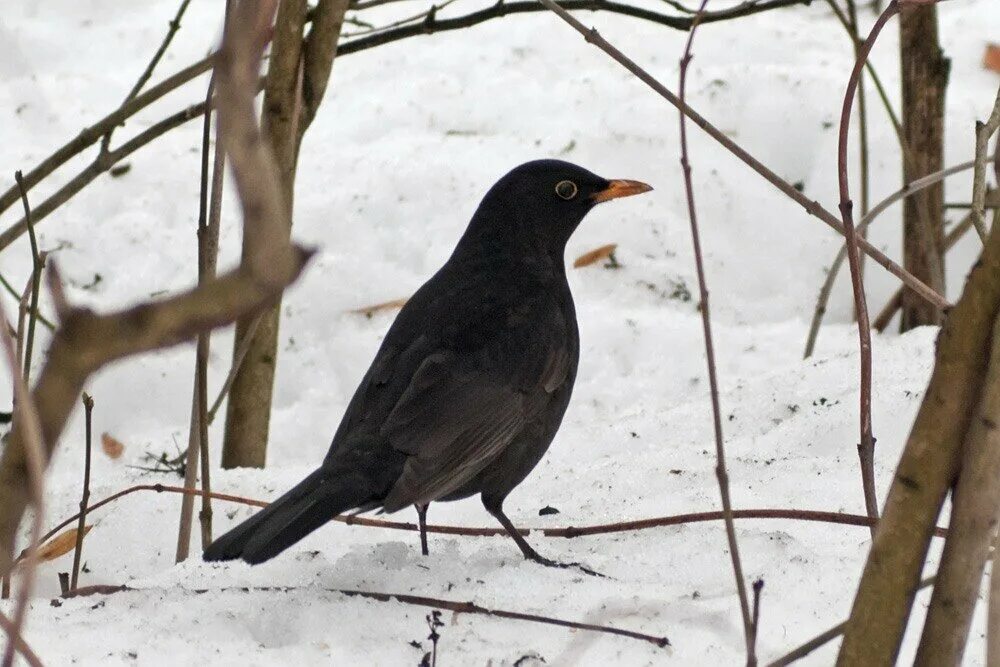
(310, 504)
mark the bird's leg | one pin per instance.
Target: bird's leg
(496, 509)
(422, 520)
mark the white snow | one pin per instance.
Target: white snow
(409, 137)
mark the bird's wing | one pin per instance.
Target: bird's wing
(461, 410)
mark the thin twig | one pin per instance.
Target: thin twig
(866, 445)
(81, 528)
(569, 532)
(26, 651)
(504, 8)
(758, 588)
(706, 321)
(98, 130)
(812, 207)
(10, 290)
(37, 265)
(822, 638)
(418, 600)
(983, 133)
(881, 322)
(238, 358)
(87, 341)
(908, 190)
(27, 421)
(174, 25)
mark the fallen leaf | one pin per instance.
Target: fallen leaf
(60, 544)
(368, 311)
(991, 57)
(112, 446)
(595, 255)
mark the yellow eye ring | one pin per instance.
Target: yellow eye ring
(566, 189)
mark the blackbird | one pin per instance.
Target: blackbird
(471, 381)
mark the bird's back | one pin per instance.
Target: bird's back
(512, 323)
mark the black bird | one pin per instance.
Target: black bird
(472, 380)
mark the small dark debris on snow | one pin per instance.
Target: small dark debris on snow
(527, 659)
(547, 510)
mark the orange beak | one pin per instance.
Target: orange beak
(620, 188)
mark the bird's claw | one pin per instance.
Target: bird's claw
(541, 560)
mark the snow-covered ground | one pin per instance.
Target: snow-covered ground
(408, 139)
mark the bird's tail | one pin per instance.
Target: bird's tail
(311, 503)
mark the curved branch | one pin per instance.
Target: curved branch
(432, 24)
(568, 532)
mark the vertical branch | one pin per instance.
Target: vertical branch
(866, 445)
(209, 215)
(37, 264)
(26, 419)
(983, 133)
(863, 166)
(81, 527)
(975, 504)
(924, 77)
(926, 470)
(706, 320)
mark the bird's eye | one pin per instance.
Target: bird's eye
(566, 189)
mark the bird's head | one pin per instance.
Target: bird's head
(540, 204)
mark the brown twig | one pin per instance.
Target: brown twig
(983, 133)
(88, 406)
(866, 445)
(926, 471)
(18, 641)
(812, 207)
(91, 135)
(855, 35)
(822, 638)
(27, 421)
(37, 265)
(975, 502)
(758, 589)
(721, 474)
(97, 131)
(888, 311)
(418, 600)
(907, 190)
(10, 290)
(86, 341)
(569, 532)
(238, 358)
(173, 26)
(504, 8)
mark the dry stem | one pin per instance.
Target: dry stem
(721, 474)
(88, 406)
(983, 133)
(812, 207)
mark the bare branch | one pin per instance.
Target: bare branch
(88, 406)
(812, 207)
(975, 503)
(926, 470)
(722, 476)
(86, 341)
(983, 133)
(32, 480)
(173, 27)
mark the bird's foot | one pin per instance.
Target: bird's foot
(541, 560)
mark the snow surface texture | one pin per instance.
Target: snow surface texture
(408, 139)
